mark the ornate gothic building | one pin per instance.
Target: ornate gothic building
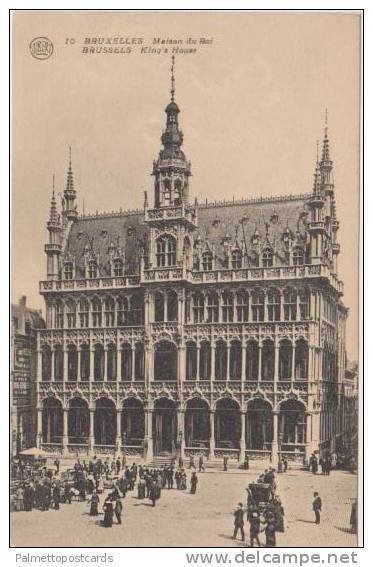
(184, 328)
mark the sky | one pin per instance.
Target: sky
(252, 98)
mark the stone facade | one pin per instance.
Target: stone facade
(189, 328)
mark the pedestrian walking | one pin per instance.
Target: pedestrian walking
(316, 506)
(108, 512)
(95, 499)
(239, 521)
(193, 483)
(201, 466)
(270, 531)
(118, 510)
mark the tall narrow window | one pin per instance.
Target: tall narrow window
(298, 256)
(236, 259)
(242, 306)
(68, 271)
(267, 258)
(290, 305)
(274, 305)
(166, 251)
(109, 312)
(206, 261)
(92, 269)
(212, 307)
(227, 307)
(304, 303)
(198, 308)
(84, 313)
(59, 310)
(123, 311)
(257, 305)
(96, 312)
(118, 267)
(71, 315)
(137, 309)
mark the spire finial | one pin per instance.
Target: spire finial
(326, 122)
(53, 184)
(172, 78)
(69, 157)
(317, 152)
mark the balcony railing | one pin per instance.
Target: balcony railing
(94, 283)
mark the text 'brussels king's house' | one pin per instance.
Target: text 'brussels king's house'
(187, 328)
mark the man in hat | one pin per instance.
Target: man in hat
(254, 520)
(316, 506)
(238, 521)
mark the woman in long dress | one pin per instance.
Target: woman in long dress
(19, 499)
(95, 499)
(108, 512)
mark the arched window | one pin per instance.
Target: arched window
(205, 361)
(254, 259)
(111, 363)
(92, 269)
(257, 305)
(274, 305)
(191, 361)
(236, 259)
(301, 360)
(304, 304)
(227, 306)
(252, 361)
(242, 306)
(290, 304)
(285, 360)
(68, 270)
(109, 312)
(123, 312)
(96, 312)
(84, 313)
(58, 363)
(293, 422)
(187, 252)
(298, 256)
(178, 192)
(99, 363)
(59, 315)
(126, 362)
(166, 251)
(212, 307)
(198, 308)
(221, 360)
(46, 364)
(206, 261)
(72, 363)
(139, 362)
(268, 360)
(71, 315)
(118, 267)
(84, 363)
(235, 363)
(267, 258)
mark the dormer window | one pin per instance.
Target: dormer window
(92, 269)
(206, 261)
(68, 271)
(267, 258)
(298, 256)
(236, 259)
(118, 267)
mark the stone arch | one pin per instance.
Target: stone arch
(227, 423)
(197, 422)
(165, 361)
(132, 421)
(259, 425)
(164, 425)
(52, 420)
(292, 422)
(105, 421)
(78, 421)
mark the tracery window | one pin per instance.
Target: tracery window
(227, 307)
(242, 306)
(92, 269)
(59, 315)
(84, 313)
(71, 315)
(267, 258)
(96, 312)
(304, 304)
(198, 308)
(298, 256)
(109, 312)
(236, 259)
(212, 307)
(118, 267)
(68, 271)
(123, 312)
(206, 261)
(274, 305)
(166, 251)
(290, 305)
(257, 305)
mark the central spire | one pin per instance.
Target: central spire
(172, 79)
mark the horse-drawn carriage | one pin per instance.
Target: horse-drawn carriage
(260, 497)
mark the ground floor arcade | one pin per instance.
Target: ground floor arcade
(166, 429)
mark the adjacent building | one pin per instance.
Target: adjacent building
(24, 323)
(185, 328)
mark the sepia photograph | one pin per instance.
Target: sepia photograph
(185, 204)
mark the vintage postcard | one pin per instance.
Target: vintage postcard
(185, 243)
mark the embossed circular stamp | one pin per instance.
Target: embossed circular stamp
(41, 48)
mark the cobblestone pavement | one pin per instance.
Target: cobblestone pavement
(204, 519)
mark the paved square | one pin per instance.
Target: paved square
(204, 519)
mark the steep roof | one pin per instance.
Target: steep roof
(219, 224)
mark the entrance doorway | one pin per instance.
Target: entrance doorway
(164, 426)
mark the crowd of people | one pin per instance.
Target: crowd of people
(45, 488)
